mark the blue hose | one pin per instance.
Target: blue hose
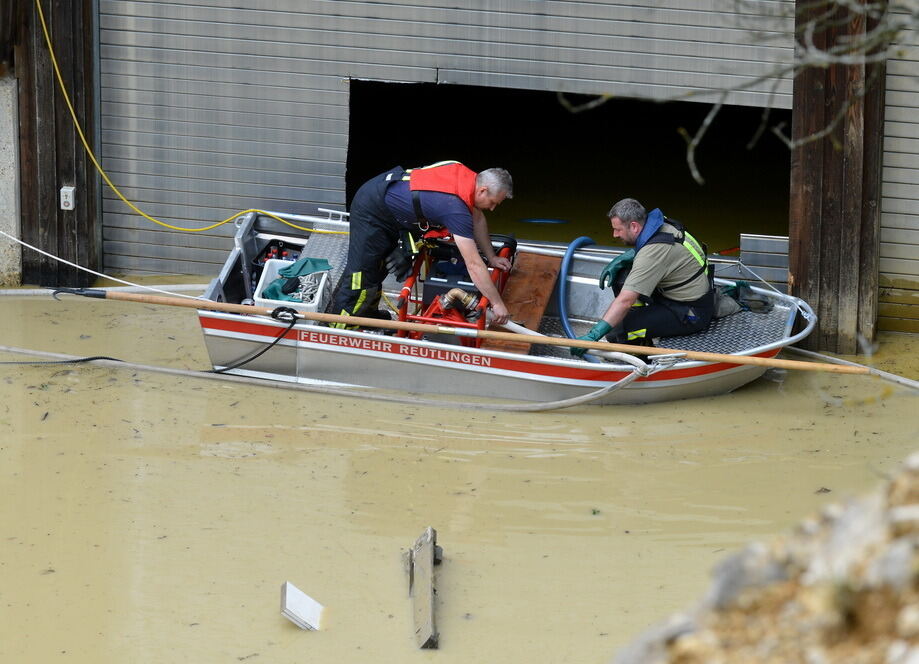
(563, 289)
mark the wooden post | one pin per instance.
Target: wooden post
(420, 560)
(834, 214)
(872, 176)
(51, 154)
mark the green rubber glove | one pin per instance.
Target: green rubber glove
(597, 332)
(622, 261)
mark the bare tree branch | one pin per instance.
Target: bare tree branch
(889, 22)
(593, 103)
(693, 142)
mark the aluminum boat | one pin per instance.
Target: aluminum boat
(556, 286)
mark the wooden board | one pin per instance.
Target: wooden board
(526, 296)
(50, 152)
(421, 558)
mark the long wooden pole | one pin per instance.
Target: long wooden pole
(700, 356)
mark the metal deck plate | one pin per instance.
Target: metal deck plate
(735, 333)
(333, 248)
(731, 334)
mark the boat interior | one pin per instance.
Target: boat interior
(436, 289)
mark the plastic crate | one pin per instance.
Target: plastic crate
(270, 272)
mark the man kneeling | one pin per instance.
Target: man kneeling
(669, 289)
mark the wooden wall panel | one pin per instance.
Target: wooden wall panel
(834, 220)
(51, 154)
(899, 241)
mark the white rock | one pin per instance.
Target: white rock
(908, 622)
(896, 651)
(900, 652)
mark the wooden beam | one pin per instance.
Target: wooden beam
(421, 559)
(910, 325)
(703, 356)
(869, 239)
(853, 130)
(832, 202)
(805, 211)
(51, 153)
(834, 211)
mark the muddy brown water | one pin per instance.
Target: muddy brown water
(153, 518)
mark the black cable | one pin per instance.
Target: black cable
(76, 361)
(281, 314)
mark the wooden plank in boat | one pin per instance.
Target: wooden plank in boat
(526, 296)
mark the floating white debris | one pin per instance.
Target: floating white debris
(299, 608)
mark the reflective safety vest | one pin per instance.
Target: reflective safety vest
(448, 177)
(696, 249)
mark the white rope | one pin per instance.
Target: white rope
(763, 281)
(613, 356)
(413, 400)
(893, 378)
(742, 265)
(98, 274)
(309, 288)
(637, 371)
(47, 292)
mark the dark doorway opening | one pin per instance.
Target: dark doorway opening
(572, 167)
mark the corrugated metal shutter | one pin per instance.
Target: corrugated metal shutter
(899, 254)
(209, 108)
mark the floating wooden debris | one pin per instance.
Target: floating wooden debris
(420, 561)
(299, 608)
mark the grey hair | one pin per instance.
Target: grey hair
(629, 210)
(497, 180)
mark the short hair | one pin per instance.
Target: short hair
(497, 180)
(629, 210)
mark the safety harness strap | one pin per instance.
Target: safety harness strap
(697, 251)
(416, 203)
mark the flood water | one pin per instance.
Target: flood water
(153, 518)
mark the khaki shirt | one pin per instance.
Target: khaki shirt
(663, 265)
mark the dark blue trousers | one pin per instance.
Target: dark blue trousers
(374, 234)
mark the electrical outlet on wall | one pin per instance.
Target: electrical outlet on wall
(68, 197)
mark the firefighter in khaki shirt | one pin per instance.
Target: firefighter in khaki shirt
(668, 291)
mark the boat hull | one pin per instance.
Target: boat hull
(310, 354)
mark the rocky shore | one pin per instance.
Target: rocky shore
(843, 587)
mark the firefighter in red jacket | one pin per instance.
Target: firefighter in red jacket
(443, 195)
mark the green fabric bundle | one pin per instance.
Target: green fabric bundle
(288, 278)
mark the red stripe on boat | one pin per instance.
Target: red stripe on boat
(393, 346)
